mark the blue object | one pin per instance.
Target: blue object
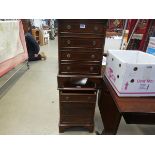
(150, 51)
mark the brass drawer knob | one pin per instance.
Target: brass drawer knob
(91, 68)
(92, 56)
(68, 27)
(68, 42)
(67, 97)
(94, 42)
(68, 67)
(68, 55)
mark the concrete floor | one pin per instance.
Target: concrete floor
(31, 105)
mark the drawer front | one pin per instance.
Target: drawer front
(79, 68)
(82, 27)
(77, 108)
(63, 81)
(69, 42)
(89, 98)
(76, 119)
(81, 55)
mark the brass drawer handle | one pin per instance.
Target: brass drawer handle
(68, 42)
(96, 28)
(91, 68)
(68, 55)
(94, 42)
(92, 56)
(68, 67)
(68, 27)
(67, 97)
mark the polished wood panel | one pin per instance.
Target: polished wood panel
(132, 104)
(82, 27)
(79, 55)
(76, 68)
(75, 119)
(72, 42)
(80, 51)
(103, 21)
(77, 107)
(135, 110)
(72, 97)
(66, 80)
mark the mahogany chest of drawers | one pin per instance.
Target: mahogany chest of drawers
(80, 50)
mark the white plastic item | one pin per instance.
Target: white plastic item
(112, 43)
(152, 42)
(152, 39)
(131, 73)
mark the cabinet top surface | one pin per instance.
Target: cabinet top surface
(83, 20)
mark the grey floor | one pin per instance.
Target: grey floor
(31, 105)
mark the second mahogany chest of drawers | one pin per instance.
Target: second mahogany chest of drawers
(77, 108)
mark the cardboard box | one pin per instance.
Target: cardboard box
(131, 73)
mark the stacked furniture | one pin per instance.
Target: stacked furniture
(43, 37)
(80, 51)
(36, 35)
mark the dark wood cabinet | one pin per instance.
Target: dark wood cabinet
(80, 50)
(77, 108)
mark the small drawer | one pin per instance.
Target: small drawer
(76, 119)
(93, 82)
(73, 42)
(78, 97)
(80, 68)
(81, 55)
(77, 108)
(83, 27)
